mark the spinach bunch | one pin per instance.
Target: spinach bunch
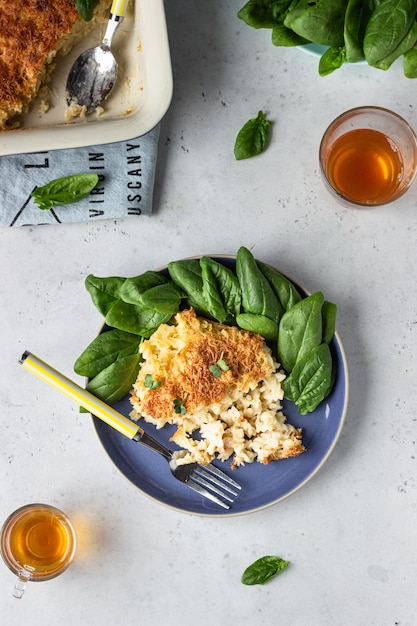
(377, 31)
(254, 297)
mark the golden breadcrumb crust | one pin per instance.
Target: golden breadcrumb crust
(188, 377)
(31, 33)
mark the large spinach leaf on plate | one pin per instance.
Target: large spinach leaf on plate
(258, 297)
(300, 330)
(104, 292)
(104, 350)
(115, 381)
(311, 379)
(111, 362)
(221, 290)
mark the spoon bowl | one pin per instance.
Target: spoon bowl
(94, 73)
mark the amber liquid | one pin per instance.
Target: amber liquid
(39, 541)
(365, 166)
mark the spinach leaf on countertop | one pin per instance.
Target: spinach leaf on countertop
(252, 137)
(263, 569)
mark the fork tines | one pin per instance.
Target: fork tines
(214, 484)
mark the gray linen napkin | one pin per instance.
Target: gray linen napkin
(125, 188)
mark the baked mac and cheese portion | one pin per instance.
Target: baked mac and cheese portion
(220, 386)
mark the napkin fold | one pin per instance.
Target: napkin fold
(126, 173)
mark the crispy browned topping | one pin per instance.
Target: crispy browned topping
(30, 34)
(29, 31)
(205, 343)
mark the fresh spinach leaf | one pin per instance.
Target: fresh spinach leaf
(104, 350)
(320, 22)
(358, 13)
(331, 60)
(283, 36)
(211, 293)
(115, 382)
(221, 290)
(406, 44)
(310, 380)
(104, 292)
(410, 63)
(300, 330)
(165, 298)
(264, 13)
(133, 288)
(187, 274)
(252, 137)
(329, 312)
(135, 319)
(263, 569)
(284, 290)
(387, 26)
(258, 324)
(64, 190)
(258, 297)
(86, 8)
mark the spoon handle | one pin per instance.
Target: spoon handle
(118, 9)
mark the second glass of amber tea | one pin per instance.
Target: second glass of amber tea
(37, 542)
(368, 156)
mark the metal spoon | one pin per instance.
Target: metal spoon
(94, 72)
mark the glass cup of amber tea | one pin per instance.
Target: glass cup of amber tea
(368, 157)
(38, 542)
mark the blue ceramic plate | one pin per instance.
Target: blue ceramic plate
(262, 485)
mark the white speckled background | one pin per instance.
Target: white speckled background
(350, 533)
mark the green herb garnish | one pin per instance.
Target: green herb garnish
(217, 369)
(64, 190)
(263, 570)
(179, 407)
(150, 383)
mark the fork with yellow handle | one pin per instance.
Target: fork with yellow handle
(209, 481)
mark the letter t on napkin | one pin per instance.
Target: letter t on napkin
(126, 173)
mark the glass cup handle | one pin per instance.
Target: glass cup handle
(20, 584)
